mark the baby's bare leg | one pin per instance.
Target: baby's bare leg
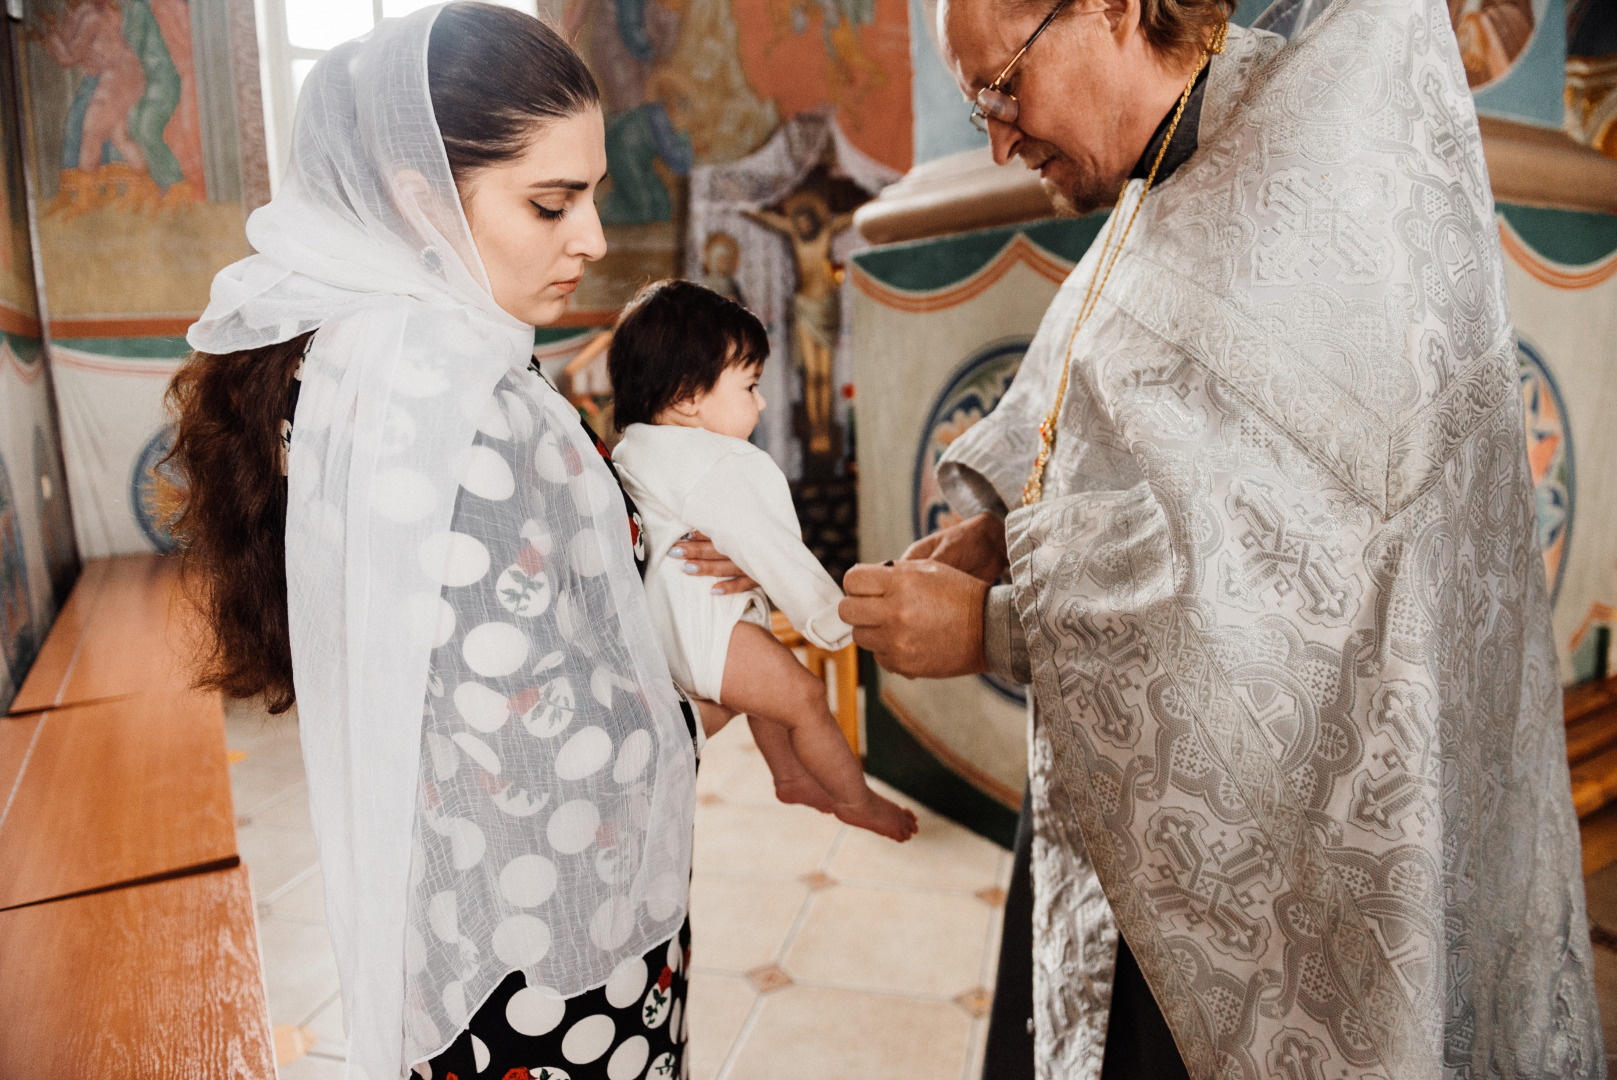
(764, 680)
(793, 784)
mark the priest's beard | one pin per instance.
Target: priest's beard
(1073, 189)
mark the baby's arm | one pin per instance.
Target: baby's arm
(798, 736)
(744, 504)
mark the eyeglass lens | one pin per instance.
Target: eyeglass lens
(993, 105)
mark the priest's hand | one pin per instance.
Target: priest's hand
(921, 618)
(976, 545)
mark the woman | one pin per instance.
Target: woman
(500, 770)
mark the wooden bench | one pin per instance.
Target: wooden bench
(128, 943)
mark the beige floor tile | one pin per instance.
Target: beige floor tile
(972, 1068)
(305, 900)
(810, 1033)
(289, 810)
(312, 1067)
(885, 939)
(253, 784)
(988, 972)
(740, 923)
(709, 778)
(942, 855)
(328, 1032)
(764, 839)
(718, 1005)
(247, 723)
(299, 971)
(749, 781)
(275, 856)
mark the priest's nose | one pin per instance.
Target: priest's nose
(1004, 139)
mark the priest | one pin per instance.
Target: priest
(1298, 795)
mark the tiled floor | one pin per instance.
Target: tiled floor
(819, 950)
(1601, 890)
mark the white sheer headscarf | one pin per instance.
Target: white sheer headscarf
(550, 832)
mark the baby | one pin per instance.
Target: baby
(685, 363)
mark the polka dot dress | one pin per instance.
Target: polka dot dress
(633, 1028)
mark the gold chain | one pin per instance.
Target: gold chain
(1033, 490)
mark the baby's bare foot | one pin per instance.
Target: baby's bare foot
(879, 815)
(804, 790)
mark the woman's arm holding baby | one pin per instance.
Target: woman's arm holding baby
(699, 552)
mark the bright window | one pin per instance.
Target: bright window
(293, 34)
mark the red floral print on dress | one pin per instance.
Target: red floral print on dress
(530, 560)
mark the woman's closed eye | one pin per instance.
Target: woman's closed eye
(549, 213)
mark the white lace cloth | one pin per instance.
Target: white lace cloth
(551, 833)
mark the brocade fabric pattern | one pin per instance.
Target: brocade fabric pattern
(1297, 718)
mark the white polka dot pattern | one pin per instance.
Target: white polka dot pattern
(624, 987)
(495, 649)
(521, 940)
(528, 880)
(534, 1011)
(588, 1039)
(628, 1059)
(544, 745)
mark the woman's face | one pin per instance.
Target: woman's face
(533, 218)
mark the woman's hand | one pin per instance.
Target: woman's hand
(976, 545)
(703, 560)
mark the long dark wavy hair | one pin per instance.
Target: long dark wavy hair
(497, 78)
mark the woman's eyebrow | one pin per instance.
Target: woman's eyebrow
(565, 185)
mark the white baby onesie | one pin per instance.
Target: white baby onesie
(684, 479)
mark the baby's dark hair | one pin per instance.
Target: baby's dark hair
(672, 342)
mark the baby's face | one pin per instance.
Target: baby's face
(732, 406)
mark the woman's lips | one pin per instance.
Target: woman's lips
(565, 287)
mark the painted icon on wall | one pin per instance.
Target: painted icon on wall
(1493, 35)
(132, 136)
(970, 395)
(721, 260)
(17, 645)
(807, 222)
(1549, 456)
(154, 490)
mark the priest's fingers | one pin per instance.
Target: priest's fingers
(976, 545)
(872, 639)
(930, 621)
(859, 611)
(924, 547)
(867, 579)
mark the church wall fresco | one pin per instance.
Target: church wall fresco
(1591, 74)
(139, 169)
(689, 83)
(144, 145)
(38, 556)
